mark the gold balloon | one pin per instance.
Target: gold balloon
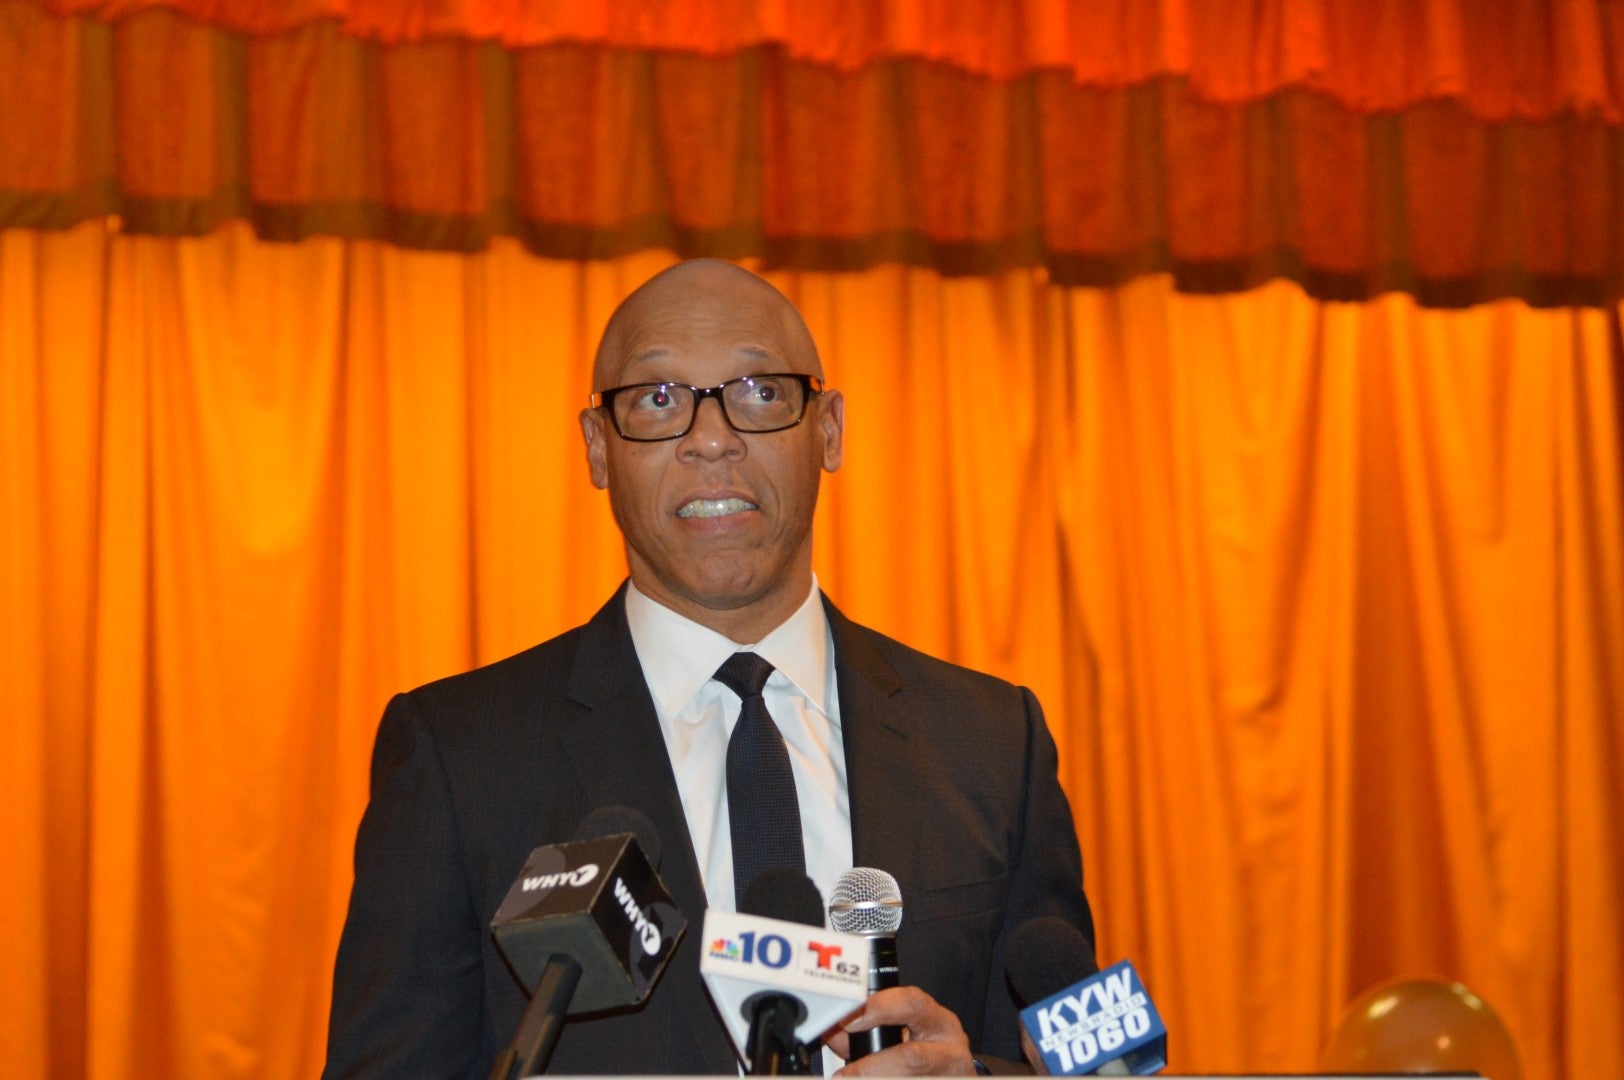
(1420, 1026)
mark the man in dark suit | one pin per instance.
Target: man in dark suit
(942, 776)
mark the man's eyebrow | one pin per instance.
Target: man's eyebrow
(660, 352)
(650, 354)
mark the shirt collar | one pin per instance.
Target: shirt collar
(679, 656)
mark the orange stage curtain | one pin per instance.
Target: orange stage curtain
(1326, 604)
(1460, 151)
(1528, 58)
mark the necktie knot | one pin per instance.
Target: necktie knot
(745, 674)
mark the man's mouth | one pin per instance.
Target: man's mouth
(709, 508)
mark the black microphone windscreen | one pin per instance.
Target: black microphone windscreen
(786, 894)
(612, 820)
(1046, 955)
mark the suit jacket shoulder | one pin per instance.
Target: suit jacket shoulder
(469, 773)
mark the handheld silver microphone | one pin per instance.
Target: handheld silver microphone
(868, 902)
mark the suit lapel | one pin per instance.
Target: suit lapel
(876, 730)
(618, 751)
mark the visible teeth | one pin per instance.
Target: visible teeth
(715, 507)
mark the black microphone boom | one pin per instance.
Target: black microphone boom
(543, 1018)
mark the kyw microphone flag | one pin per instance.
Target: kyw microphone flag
(1107, 1017)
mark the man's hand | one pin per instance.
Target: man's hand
(1030, 1052)
(933, 1040)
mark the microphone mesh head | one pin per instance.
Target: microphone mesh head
(865, 901)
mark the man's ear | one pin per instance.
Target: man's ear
(832, 427)
(597, 446)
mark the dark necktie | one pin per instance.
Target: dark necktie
(762, 813)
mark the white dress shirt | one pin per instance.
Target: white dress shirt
(697, 715)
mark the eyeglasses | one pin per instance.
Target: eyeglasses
(752, 404)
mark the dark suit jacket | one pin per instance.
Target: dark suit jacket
(952, 783)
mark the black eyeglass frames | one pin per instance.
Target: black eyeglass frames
(751, 404)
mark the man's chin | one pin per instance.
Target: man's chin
(737, 591)
(728, 595)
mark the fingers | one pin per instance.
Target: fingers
(1030, 1052)
(934, 1043)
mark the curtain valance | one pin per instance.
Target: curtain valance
(1500, 58)
(1464, 159)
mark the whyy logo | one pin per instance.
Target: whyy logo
(647, 932)
(581, 875)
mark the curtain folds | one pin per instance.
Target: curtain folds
(1480, 158)
(1503, 58)
(1325, 604)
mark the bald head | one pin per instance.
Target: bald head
(717, 521)
(695, 296)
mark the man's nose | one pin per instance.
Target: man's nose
(711, 436)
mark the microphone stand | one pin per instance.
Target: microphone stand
(533, 1043)
(773, 1048)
